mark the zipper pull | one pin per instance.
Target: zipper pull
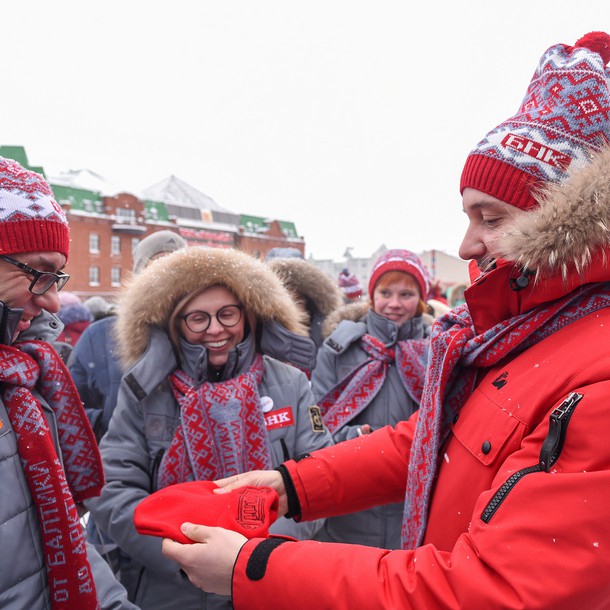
(558, 424)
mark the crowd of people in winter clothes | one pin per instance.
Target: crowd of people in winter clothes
(244, 433)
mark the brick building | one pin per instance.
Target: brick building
(104, 229)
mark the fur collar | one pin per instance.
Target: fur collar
(353, 312)
(304, 279)
(571, 223)
(151, 296)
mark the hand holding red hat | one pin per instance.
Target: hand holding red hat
(246, 510)
(208, 564)
(256, 478)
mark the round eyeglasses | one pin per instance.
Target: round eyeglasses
(43, 280)
(199, 321)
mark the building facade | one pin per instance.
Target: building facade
(104, 229)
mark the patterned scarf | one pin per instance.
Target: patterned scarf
(26, 366)
(222, 430)
(354, 393)
(457, 353)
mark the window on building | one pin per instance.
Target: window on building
(125, 215)
(94, 243)
(115, 276)
(88, 205)
(115, 245)
(94, 276)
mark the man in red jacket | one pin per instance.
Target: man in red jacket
(507, 462)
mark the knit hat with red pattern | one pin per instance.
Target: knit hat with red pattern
(563, 118)
(349, 284)
(30, 218)
(400, 260)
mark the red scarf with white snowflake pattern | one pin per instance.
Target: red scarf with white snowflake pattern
(26, 366)
(222, 430)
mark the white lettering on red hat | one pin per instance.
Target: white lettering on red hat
(536, 150)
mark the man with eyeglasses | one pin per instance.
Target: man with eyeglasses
(49, 462)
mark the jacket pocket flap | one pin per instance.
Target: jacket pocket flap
(490, 436)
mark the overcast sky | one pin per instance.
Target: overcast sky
(352, 119)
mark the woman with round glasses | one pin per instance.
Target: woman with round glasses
(205, 395)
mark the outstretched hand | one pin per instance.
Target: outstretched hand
(209, 562)
(257, 478)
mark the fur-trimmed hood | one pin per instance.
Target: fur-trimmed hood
(151, 297)
(305, 280)
(569, 226)
(354, 312)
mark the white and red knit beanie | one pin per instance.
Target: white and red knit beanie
(30, 218)
(563, 118)
(349, 284)
(400, 260)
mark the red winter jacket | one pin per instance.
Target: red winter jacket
(547, 545)
(502, 532)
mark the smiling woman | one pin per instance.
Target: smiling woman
(370, 374)
(205, 395)
(218, 332)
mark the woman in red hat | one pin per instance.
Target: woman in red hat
(370, 373)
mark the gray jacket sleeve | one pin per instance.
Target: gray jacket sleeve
(128, 465)
(110, 592)
(337, 357)
(309, 436)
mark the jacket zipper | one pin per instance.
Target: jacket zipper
(549, 454)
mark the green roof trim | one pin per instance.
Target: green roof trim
(155, 210)
(288, 228)
(17, 153)
(78, 199)
(252, 223)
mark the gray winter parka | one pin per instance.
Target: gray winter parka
(340, 354)
(147, 415)
(23, 574)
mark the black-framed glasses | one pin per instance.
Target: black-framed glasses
(43, 280)
(199, 321)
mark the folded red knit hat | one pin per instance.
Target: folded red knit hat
(247, 510)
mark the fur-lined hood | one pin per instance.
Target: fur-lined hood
(571, 223)
(151, 297)
(304, 279)
(354, 312)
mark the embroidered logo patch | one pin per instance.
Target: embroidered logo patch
(315, 416)
(251, 511)
(280, 418)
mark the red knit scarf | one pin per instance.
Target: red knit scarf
(354, 393)
(222, 430)
(456, 355)
(33, 365)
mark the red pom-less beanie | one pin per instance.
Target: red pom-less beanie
(564, 116)
(247, 510)
(30, 218)
(400, 260)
